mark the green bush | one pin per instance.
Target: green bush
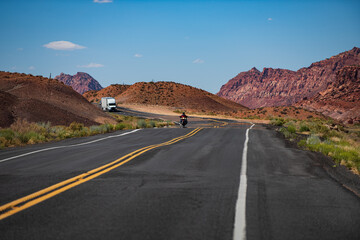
(8, 134)
(119, 126)
(141, 123)
(277, 122)
(304, 128)
(152, 124)
(287, 133)
(302, 143)
(291, 129)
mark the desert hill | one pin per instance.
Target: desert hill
(40, 99)
(110, 91)
(174, 95)
(80, 82)
(281, 87)
(341, 99)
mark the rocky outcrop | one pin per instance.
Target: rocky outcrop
(80, 82)
(39, 99)
(281, 87)
(341, 99)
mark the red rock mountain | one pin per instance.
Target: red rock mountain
(281, 87)
(110, 91)
(39, 99)
(80, 82)
(341, 99)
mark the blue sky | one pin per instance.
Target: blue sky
(194, 42)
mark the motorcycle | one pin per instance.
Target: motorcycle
(183, 122)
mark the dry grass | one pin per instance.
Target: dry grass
(22, 132)
(334, 140)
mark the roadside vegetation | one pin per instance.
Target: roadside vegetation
(332, 139)
(22, 132)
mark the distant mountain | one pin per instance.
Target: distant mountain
(80, 82)
(281, 87)
(39, 99)
(110, 91)
(341, 99)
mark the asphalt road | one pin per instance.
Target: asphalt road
(183, 190)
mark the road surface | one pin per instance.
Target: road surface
(190, 184)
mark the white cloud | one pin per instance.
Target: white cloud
(198, 60)
(20, 49)
(63, 45)
(138, 55)
(103, 1)
(31, 68)
(91, 65)
(13, 67)
(269, 19)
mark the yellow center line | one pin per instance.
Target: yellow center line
(44, 194)
(222, 122)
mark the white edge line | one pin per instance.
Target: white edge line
(74, 145)
(240, 212)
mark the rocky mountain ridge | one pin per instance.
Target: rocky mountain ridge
(341, 99)
(80, 82)
(282, 87)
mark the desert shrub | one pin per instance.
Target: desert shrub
(291, 129)
(302, 143)
(141, 123)
(287, 133)
(312, 140)
(331, 133)
(74, 126)
(95, 130)
(108, 127)
(45, 125)
(277, 122)
(304, 128)
(23, 126)
(8, 134)
(119, 126)
(3, 142)
(31, 137)
(152, 124)
(83, 132)
(130, 126)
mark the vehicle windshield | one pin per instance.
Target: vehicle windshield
(112, 104)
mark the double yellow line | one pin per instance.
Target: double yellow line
(46, 193)
(222, 123)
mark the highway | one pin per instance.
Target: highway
(173, 183)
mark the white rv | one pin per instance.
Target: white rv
(108, 104)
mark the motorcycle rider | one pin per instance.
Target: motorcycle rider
(183, 119)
